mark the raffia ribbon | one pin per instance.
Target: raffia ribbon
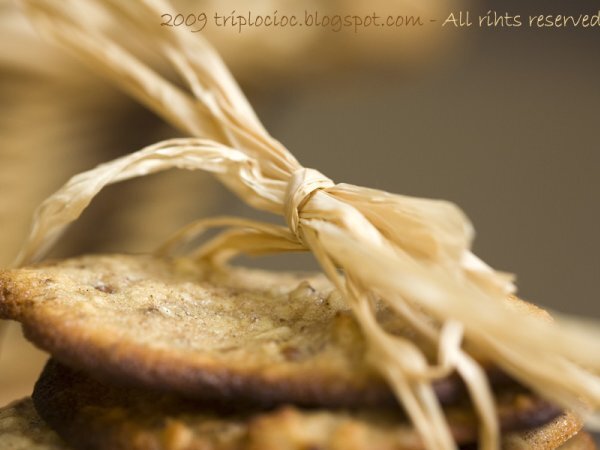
(410, 254)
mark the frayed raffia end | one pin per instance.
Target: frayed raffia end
(413, 254)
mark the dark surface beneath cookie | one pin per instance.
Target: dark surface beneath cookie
(90, 414)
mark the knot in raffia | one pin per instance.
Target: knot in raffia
(302, 186)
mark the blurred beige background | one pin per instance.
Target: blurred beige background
(502, 122)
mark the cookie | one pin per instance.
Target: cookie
(22, 429)
(554, 434)
(94, 415)
(171, 324)
(581, 441)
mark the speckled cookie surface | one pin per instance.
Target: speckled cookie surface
(581, 441)
(173, 325)
(554, 434)
(93, 415)
(21, 428)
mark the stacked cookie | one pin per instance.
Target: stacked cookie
(151, 353)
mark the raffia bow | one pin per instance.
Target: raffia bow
(411, 254)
